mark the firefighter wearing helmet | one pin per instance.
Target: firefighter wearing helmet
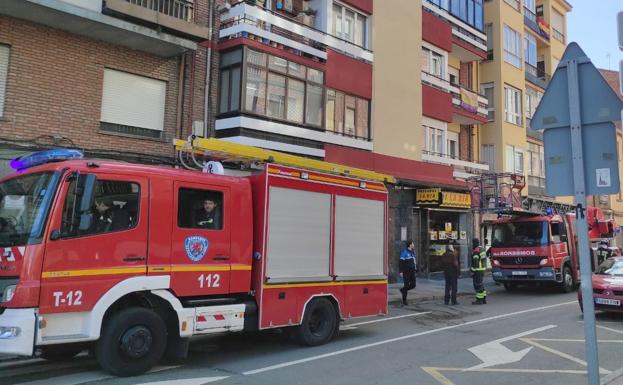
(603, 252)
(479, 265)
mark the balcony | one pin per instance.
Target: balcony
(467, 106)
(537, 76)
(175, 16)
(278, 30)
(435, 157)
(556, 34)
(85, 18)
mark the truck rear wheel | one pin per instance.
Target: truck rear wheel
(567, 285)
(61, 352)
(318, 325)
(132, 342)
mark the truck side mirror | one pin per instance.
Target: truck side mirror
(85, 193)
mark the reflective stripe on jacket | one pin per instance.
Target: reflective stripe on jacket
(479, 260)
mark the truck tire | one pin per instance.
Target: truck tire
(318, 325)
(510, 286)
(61, 352)
(567, 285)
(132, 342)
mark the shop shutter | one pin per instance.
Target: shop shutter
(133, 100)
(4, 71)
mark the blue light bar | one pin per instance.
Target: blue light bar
(42, 157)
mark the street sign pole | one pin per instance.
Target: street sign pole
(581, 223)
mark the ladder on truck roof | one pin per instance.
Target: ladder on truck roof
(240, 153)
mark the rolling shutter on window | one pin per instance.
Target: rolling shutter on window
(133, 100)
(4, 71)
(558, 22)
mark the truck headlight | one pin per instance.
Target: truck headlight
(8, 294)
(496, 262)
(7, 332)
(544, 262)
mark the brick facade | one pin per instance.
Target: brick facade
(54, 90)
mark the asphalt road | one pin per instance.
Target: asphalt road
(527, 337)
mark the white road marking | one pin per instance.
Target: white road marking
(610, 329)
(81, 378)
(188, 381)
(387, 319)
(392, 340)
(494, 353)
(560, 354)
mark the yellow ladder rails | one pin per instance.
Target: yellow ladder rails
(225, 150)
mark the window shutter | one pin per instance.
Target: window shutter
(4, 71)
(133, 100)
(558, 22)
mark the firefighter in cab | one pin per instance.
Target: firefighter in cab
(479, 265)
(603, 252)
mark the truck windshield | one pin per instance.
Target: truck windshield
(517, 234)
(24, 206)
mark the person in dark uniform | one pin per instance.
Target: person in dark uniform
(479, 265)
(603, 252)
(208, 215)
(407, 266)
(109, 218)
(451, 271)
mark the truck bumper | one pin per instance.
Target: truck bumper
(543, 274)
(17, 331)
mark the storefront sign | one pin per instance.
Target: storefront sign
(456, 200)
(438, 198)
(429, 196)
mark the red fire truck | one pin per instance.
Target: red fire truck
(133, 260)
(532, 246)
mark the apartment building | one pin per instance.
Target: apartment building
(117, 78)
(525, 41)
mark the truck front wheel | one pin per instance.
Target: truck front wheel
(567, 284)
(132, 342)
(319, 323)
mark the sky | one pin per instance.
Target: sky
(593, 25)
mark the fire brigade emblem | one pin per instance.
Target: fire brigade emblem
(196, 247)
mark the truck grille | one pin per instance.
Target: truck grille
(520, 261)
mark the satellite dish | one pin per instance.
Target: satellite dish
(214, 167)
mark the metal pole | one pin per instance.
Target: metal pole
(590, 334)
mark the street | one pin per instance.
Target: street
(528, 337)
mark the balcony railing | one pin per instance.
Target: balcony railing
(277, 29)
(537, 76)
(453, 159)
(530, 15)
(180, 9)
(556, 34)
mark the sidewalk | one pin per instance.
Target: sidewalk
(433, 289)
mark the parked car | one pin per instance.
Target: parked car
(607, 286)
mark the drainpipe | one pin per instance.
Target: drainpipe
(180, 94)
(206, 107)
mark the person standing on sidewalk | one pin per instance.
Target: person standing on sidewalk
(479, 265)
(451, 271)
(407, 265)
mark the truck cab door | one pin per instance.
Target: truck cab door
(200, 250)
(85, 259)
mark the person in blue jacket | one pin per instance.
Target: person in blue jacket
(407, 269)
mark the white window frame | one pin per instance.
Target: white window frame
(530, 49)
(533, 98)
(537, 170)
(513, 98)
(512, 47)
(487, 155)
(491, 100)
(489, 32)
(512, 163)
(5, 54)
(513, 4)
(530, 5)
(430, 56)
(366, 24)
(452, 137)
(439, 129)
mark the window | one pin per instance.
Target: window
(513, 3)
(488, 91)
(279, 89)
(229, 95)
(530, 52)
(558, 230)
(433, 63)
(533, 98)
(487, 155)
(200, 209)
(489, 33)
(347, 115)
(512, 46)
(435, 138)
(350, 25)
(536, 160)
(4, 72)
(558, 26)
(132, 104)
(512, 105)
(514, 160)
(453, 145)
(115, 208)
